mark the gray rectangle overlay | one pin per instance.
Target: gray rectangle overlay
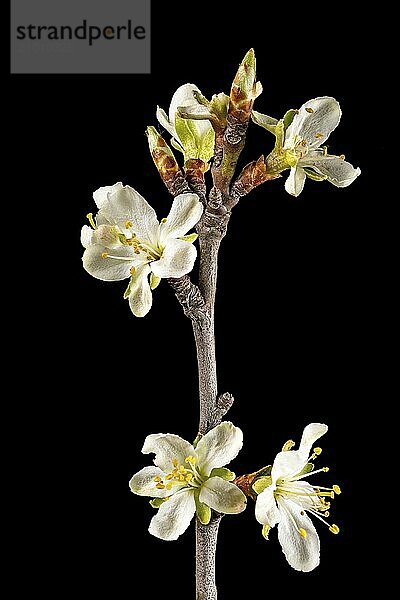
(80, 36)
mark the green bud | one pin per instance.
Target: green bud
(289, 116)
(246, 76)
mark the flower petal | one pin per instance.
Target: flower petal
(288, 464)
(108, 269)
(219, 447)
(177, 259)
(184, 97)
(267, 512)
(294, 184)
(302, 553)
(167, 447)
(311, 434)
(162, 118)
(174, 516)
(100, 196)
(314, 122)
(86, 236)
(222, 496)
(185, 212)
(126, 204)
(143, 484)
(140, 296)
(339, 172)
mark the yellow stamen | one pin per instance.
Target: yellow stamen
(89, 217)
(169, 476)
(319, 135)
(342, 157)
(189, 477)
(181, 478)
(288, 446)
(317, 451)
(164, 220)
(309, 110)
(336, 489)
(182, 469)
(334, 529)
(128, 224)
(191, 460)
(132, 270)
(169, 486)
(325, 469)
(104, 255)
(157, 479)
(326, 513)
(303, 533)
(175, 462)
(160, 486)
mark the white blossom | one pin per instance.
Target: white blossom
(310, 128)
(186, 480)
(194, 137)
(126, 240)
(288, 499)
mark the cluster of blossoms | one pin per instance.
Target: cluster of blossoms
(126, 241)
(187, 480)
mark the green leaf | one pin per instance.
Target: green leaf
(307, 469)
(192, 237)
(265, 531)
(280, 135)
(261, 484)
(289, 116)
(265, 471)
(224, 473)
(154, 281)
(207, 146)
(156, 502)
(202, 510)
(313, 175)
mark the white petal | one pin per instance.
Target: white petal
(185, 212)
(222, 496)
(126, 204)
(267, 512)
(167, 447)
(184, 97)
(311, 434)
(339, 172)
(288, 464)
(163, 120)
(219, 447)
(143, 484)
(100, 196)
(108, 269)
(302, 553)
(140, 297)
(177, 259)
(294, 184)
(315, 126)
(174, 516)
(86, 236)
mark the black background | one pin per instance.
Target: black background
(292, 318)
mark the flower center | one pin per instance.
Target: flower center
(185, 476)
(312, 499)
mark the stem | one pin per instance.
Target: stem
(206, 546)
